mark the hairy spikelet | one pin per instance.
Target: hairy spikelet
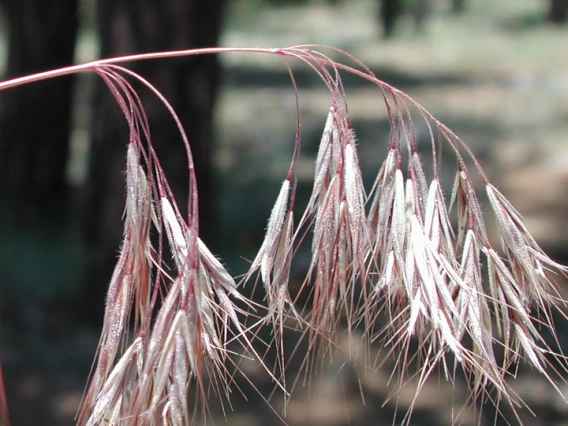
(275, 255)
(340, 234)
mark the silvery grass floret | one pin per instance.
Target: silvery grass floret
(401, 262)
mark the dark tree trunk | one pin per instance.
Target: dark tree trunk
(458, 6)
(35, 122)
(190, 84)
(558, 11)
(389, 13)
(35, 118)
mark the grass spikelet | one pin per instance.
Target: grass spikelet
(340, 242)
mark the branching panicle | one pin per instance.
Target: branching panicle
(395, 261)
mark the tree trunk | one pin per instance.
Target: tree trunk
(190, 84)
(389, 13)
(558, 11)
(35, 119)
(458, 6)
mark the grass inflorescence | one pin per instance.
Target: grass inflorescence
(399, 263)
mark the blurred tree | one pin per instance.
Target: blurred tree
(558, 11)
(190, 84)
(420, 10)
(389, 13)
(35, 120)
(458, 6)
(391, 10)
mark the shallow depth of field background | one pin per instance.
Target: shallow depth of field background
(497, 74)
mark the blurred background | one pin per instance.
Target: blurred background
(496, 72)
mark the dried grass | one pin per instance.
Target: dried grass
(390, 262)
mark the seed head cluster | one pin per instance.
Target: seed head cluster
(407, 264)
